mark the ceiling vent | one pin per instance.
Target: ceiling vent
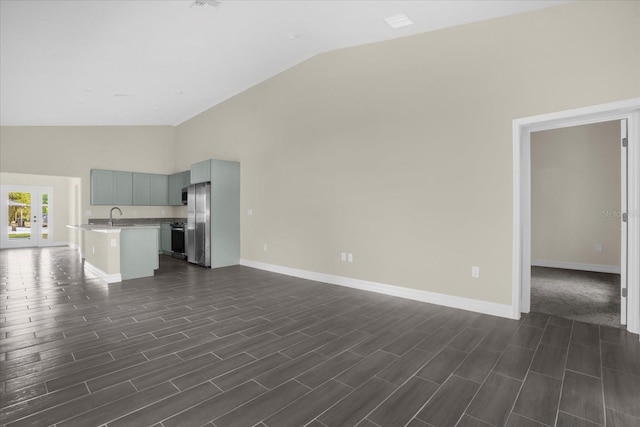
(398, 21)
(203, 3)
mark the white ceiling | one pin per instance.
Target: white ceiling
(161, 62)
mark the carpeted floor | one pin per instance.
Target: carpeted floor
(579, 295)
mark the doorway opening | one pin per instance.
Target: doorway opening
(627, 112)
(575, 233)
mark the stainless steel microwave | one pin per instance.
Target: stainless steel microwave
(185, 193)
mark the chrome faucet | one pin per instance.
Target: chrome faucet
(111, 214)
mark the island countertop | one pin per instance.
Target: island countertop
(116, 228)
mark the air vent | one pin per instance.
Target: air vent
(203, 3)
(398, 21)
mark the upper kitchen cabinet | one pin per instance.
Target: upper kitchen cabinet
(201, 172)
(111, 187)
(159, 190)
(177, 182)
(150, 189)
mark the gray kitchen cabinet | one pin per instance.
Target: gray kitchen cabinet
(159, 190)
(177, 182)
(201, 172)
(142, 189)
(150, 189)
(165, 239)
(110, 187)
(123, 183)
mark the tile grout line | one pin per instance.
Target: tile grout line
(515, 401)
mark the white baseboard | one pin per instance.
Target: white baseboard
(478, 306)
(598, 268)
(109, 278)
(52, 244)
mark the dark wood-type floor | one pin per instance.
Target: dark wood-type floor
(243, 347)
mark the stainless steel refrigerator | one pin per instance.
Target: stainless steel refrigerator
(199, 224)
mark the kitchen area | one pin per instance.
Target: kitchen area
(126, 246)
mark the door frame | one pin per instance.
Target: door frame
(36, 203)
(627, 109)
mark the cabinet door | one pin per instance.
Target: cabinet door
(111, 187)
(159, 190)
(102, 191)
(123, 188)
(141, 189)
(201, 172)
(186, 179)
(176, 184)
(165, 238)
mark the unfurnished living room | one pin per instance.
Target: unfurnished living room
(319, 213)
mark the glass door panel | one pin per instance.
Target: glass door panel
(19, 217)
(44, 217)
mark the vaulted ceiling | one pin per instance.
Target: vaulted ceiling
(161, 62)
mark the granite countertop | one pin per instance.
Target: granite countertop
(102, 224)
(116, 228)
(135, 221)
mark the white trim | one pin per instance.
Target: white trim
(478, 306)
(109, 278)
(627, 109)
(567, 265)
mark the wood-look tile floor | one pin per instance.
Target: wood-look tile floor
(243, 347)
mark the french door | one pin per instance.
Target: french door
(25, 216)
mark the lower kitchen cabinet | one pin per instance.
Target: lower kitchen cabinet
(165, 239)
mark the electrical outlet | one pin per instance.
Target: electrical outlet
(249, 212)
(265, 247)
(114, 243)
(598, 247)
(93, 249)
(343, 256)
(350, 257)
(475, 272)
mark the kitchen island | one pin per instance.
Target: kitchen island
(120, 252)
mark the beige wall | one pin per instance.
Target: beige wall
(575, 194)
(401, 152)
(100, 253)
(74, 151)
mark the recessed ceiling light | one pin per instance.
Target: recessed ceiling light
(398, 21)
(293, 36)
(121, 95)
